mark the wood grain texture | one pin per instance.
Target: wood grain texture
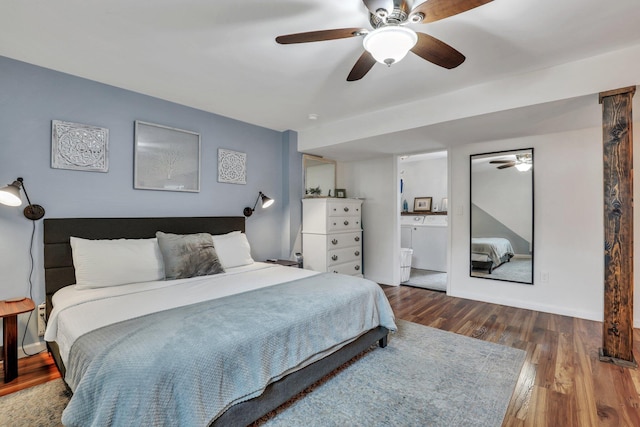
(562, 382)
(617, 343)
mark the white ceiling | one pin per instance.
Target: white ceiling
(220, 56)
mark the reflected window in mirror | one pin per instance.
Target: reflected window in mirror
(502, 216)
(319, 176)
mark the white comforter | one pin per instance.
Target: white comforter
(118, 303)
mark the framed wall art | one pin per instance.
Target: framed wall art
(232, 166)
(422, 204)
(79, 147)
(166, 158)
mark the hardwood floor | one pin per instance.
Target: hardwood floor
(561, 384)
(32, 371)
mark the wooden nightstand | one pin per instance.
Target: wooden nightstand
(9, 312)
(285, 262)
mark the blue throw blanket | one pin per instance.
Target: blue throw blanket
(187, 365)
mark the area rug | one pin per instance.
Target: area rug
(424, 377)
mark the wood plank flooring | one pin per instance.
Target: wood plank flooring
(561, 384)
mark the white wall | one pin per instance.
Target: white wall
(376, 181)
(568, 226)
(424, 178)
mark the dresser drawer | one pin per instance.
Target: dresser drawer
(339, 256)
(343, 223)
(343, 240)
(349, 268)
(337, 208)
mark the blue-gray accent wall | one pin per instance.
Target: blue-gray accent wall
(31, 96)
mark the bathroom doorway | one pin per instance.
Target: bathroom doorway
(424, 229)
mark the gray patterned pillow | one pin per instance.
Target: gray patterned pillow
(188, 255)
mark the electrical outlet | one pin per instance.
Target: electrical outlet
(42, 324)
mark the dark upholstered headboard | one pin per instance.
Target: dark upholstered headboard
(58, 262)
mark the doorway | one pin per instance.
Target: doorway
(424, 229)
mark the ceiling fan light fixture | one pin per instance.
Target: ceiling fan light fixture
(390, 44)
(523, 167)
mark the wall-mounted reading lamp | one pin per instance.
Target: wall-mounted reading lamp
(266, 202)
(10, 196)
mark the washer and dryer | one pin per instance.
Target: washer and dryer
(427, 236)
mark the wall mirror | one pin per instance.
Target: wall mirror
(319, 176)
(502, 216)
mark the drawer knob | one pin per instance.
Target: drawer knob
(357, 267)
(335, 271)
(346, 209)
(335, 257)
(357, 239)
(357, 253)
(334, 241)
(346, 223)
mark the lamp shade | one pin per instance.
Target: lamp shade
(390, 44)
(266, 201)
(10, 195)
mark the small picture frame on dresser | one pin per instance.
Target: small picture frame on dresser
(341, 193)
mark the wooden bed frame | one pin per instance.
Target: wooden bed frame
(59, 272)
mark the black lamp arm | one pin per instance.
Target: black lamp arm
(32, 212)
(21, 181)
(256, 203)
(249, 211)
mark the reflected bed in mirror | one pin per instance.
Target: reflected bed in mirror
(502, 216)
(319, 176)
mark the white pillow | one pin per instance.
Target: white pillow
(102, 263)
(233, 249)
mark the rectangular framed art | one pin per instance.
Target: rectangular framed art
(422, 204)
(232, 166)
(166, 158)
(80, 147)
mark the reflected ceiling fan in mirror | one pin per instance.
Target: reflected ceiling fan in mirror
(391, 39)
(523, 162)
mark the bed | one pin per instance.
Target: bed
(488, 253)
(176, 351)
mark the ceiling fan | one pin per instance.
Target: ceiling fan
(523, 162)
(390, 40)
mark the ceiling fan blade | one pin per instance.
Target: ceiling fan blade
(501, 161)
(362, 67)
(435, 10)
(436, 51)
(508, 165)
(317, 36)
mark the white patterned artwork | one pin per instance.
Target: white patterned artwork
(232, 166)
(79, 147)
(166, 158)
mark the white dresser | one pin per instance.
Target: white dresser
(332, 235)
